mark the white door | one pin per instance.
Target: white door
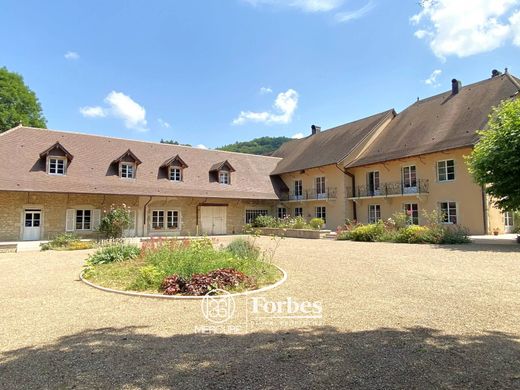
(509, 224)
(213, 220)
(32, 225)
(130, 230)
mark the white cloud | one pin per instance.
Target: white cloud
(265, 90)
(120, 106)
(297, 136)
(432, 80)
(163, 123)
(464, 28)
(347, 16)
(201, 146)
(304, 5)
(71, 55)
(93, 112)
(284, 106)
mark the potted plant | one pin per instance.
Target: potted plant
(496, 231)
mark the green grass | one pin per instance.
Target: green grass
(146, 272)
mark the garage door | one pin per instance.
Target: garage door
(213, 220)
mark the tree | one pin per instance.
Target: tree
(495, 160)
(18, 104)
(172, 142)
(263, 146)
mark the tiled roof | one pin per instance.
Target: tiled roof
(90, 171)
(326, 147)
(441, 122)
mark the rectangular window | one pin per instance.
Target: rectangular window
(410, 177)
(298, 189)
(282, 212)
(298, 211)
(57, 166)
(223, 177)
(83, 218)
(508, 219)
(449, 212)
(127, 170)
(412, 211)
(320, 186)
(446, 170)
(373, 183)
(175, 174)
(374, 213)
(252, 214)
(158, 219)
(173, 219)
(321, 212)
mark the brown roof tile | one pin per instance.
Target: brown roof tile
(89, 172)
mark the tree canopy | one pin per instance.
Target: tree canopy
(172, 142)
(18, 104)
(263, 146)
(495, 160)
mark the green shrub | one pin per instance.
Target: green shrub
(113, 253)
(60, 241)
(316, 223)
(343, 235)
(367, 233)
(265, 221)
(243, 249)
(455, 235)
(115, 221)
(299, 223)
(413, 234)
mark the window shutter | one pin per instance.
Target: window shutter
(96, 219)
(69, 221)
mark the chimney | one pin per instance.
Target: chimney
(456, 86)
(495, 73)
(315, 129)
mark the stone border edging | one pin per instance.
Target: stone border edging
(160, 296)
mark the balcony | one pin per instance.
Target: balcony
(389, 190)
(311, 194)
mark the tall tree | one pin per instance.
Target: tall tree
(18, 104)
(495, 160)
(263, 145)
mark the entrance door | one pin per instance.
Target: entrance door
(213, 220)
(32, 225)
(508, 222)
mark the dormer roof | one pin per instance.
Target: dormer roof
(125, 155)
(175, 160)
(56, 146)
(221, 166)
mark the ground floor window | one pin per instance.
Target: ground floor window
(282, 212)
(321, 212)
(158, 219)
(412, 211)
(83, 219)
(508, 219)
(252, 214)
(374, 213)
(173, 219)
(449, 212)
(298, 211)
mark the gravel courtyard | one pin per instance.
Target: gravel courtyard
(394, 316)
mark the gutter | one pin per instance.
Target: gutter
(354, 206)
(485, 211)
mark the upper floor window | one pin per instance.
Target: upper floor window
(373, 183)
(127, 170)
(298, 188)
(175, 173)
(57, 165)
(410, 176)
(449, 212)
(320, 185)
(446, 170)
(223, 177)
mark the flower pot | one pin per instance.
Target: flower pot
(495, 232)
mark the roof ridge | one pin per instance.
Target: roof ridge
(141, 141)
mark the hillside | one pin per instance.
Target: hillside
(263, 146)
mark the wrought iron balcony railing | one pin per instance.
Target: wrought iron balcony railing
(311, 194)
(389, 189)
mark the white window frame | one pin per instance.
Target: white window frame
(449, 203)
(121, 170)
(82, 223)
(171, 214)
(509, 219)
(175, 174)
(445, 171)
(158, 216)
(411, 218)
(252, 214)
(57, 159)
(298, 211)
(321, 186)
(371, 182)
(298, 189)
(321, 212)
(407, 178)
(374, 213)
(224, 177)
(281, 212)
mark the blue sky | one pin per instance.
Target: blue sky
(215, 72)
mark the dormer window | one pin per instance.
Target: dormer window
(221, 172)
(57, 165)
(175, 168)
(57, 158)
(127, 170)
(223, 177)
(127, 165)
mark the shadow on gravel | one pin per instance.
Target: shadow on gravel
(482, 248)
(318, 358)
